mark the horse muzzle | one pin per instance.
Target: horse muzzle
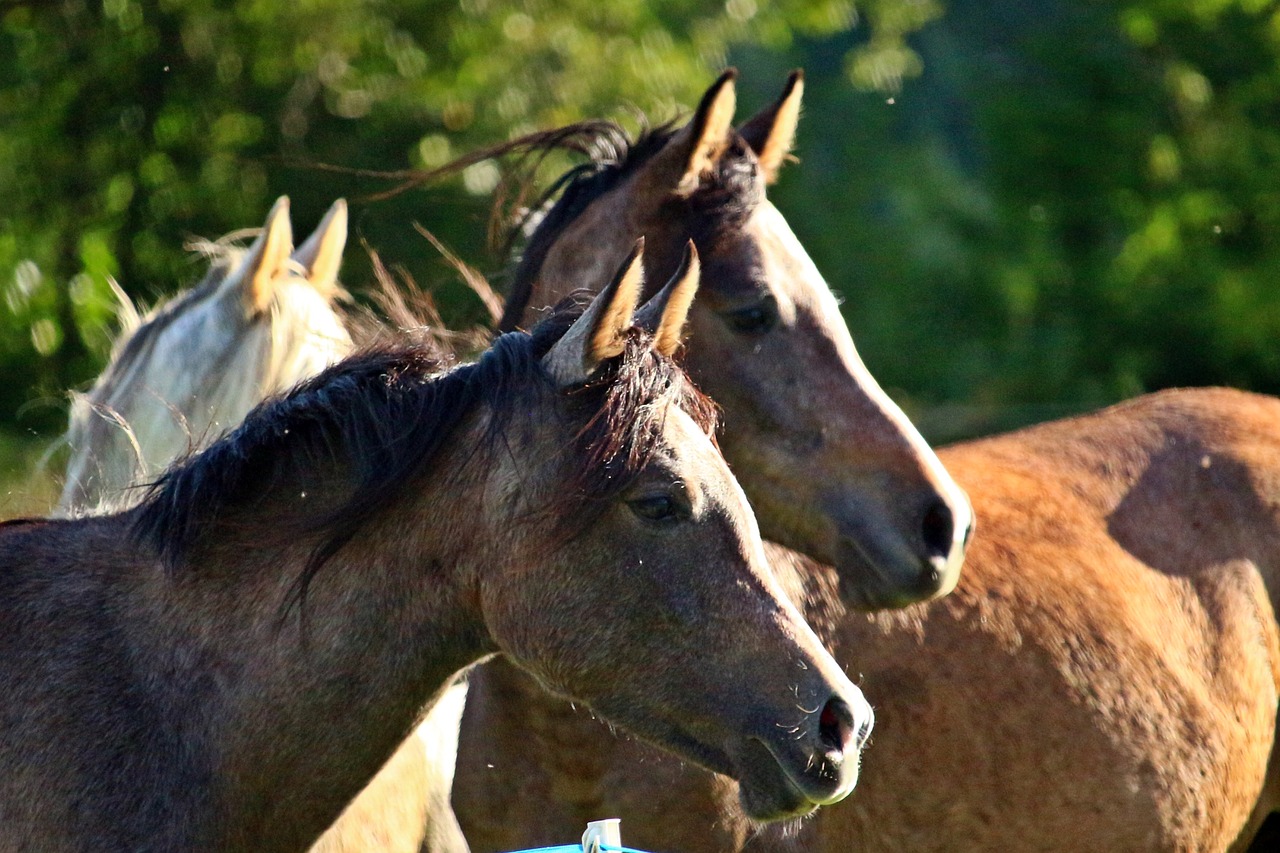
(884, 564)
(789, 771)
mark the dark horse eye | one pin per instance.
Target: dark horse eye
(656, 508)
(754, 319)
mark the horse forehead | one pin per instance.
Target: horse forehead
(690, 453)
(760, 255)
(786, 261)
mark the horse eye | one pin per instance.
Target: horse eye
(754, 319)
(656, 508)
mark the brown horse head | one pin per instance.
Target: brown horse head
(260, 321)
(832, 465)
(634, 641)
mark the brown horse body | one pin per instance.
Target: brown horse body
(226, 665)
(1106, 674)
(1104, 677)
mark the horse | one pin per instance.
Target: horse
(1104, 676)
(223, 666)
(897, 520)
(831, 465)
(261, 320)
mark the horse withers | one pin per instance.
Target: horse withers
(225, 665)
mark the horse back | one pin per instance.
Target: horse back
(1106, 670)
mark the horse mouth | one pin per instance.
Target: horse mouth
(767, 791)
(873, 581)
(777, 781)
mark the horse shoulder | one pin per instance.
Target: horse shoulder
(64, 627)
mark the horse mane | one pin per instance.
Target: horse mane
(730, 194)
(107, 454)
(611, 156)
(222, 262)
(380, 417)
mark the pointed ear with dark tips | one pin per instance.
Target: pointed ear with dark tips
(266, 258)
(665, 314)
(601, 332)
(695, 148)
(772, 132)
(321, 253)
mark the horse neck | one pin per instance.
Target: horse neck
(312, 701)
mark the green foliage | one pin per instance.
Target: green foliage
(1074, 203)
(1031, 206)
(128, 127)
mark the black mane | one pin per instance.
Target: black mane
(723, 202)
(380, 417)
(612, 157)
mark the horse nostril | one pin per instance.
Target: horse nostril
(835, 725)
(938, 529)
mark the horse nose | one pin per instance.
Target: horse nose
(835, 725)
(938, 529)
(840, 729)
(842, 732)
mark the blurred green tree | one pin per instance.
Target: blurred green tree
(127, 127)
(1031, 207)
(1074, 202)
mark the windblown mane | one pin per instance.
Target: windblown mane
(381, 417)
(612, 156)
(193, 365)
(222, 262)
(725, 200)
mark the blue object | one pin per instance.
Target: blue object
(577, 848)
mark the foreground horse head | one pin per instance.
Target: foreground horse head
(260, 321)
(832, 465)
(561, 501)
(674, 521)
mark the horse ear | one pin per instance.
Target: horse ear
(695, 148)
(321, 253)
(266, 258)
(600, 333)
(664, 315)
(772, 131)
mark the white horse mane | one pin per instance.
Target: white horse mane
(260, 321)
